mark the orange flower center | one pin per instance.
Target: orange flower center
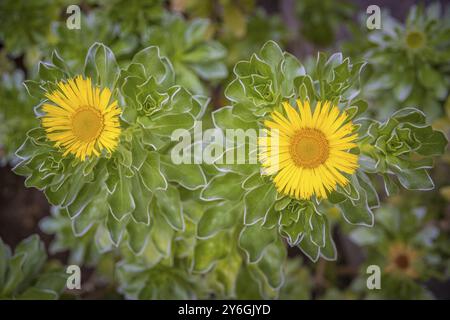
(309, 148)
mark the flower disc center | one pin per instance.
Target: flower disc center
(87, 124)
(309, 148)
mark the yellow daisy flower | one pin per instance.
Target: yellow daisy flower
(82, 119)
(310, 153)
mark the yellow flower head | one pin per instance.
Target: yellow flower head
(311, 151)
(402, 260)
(82, 119)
